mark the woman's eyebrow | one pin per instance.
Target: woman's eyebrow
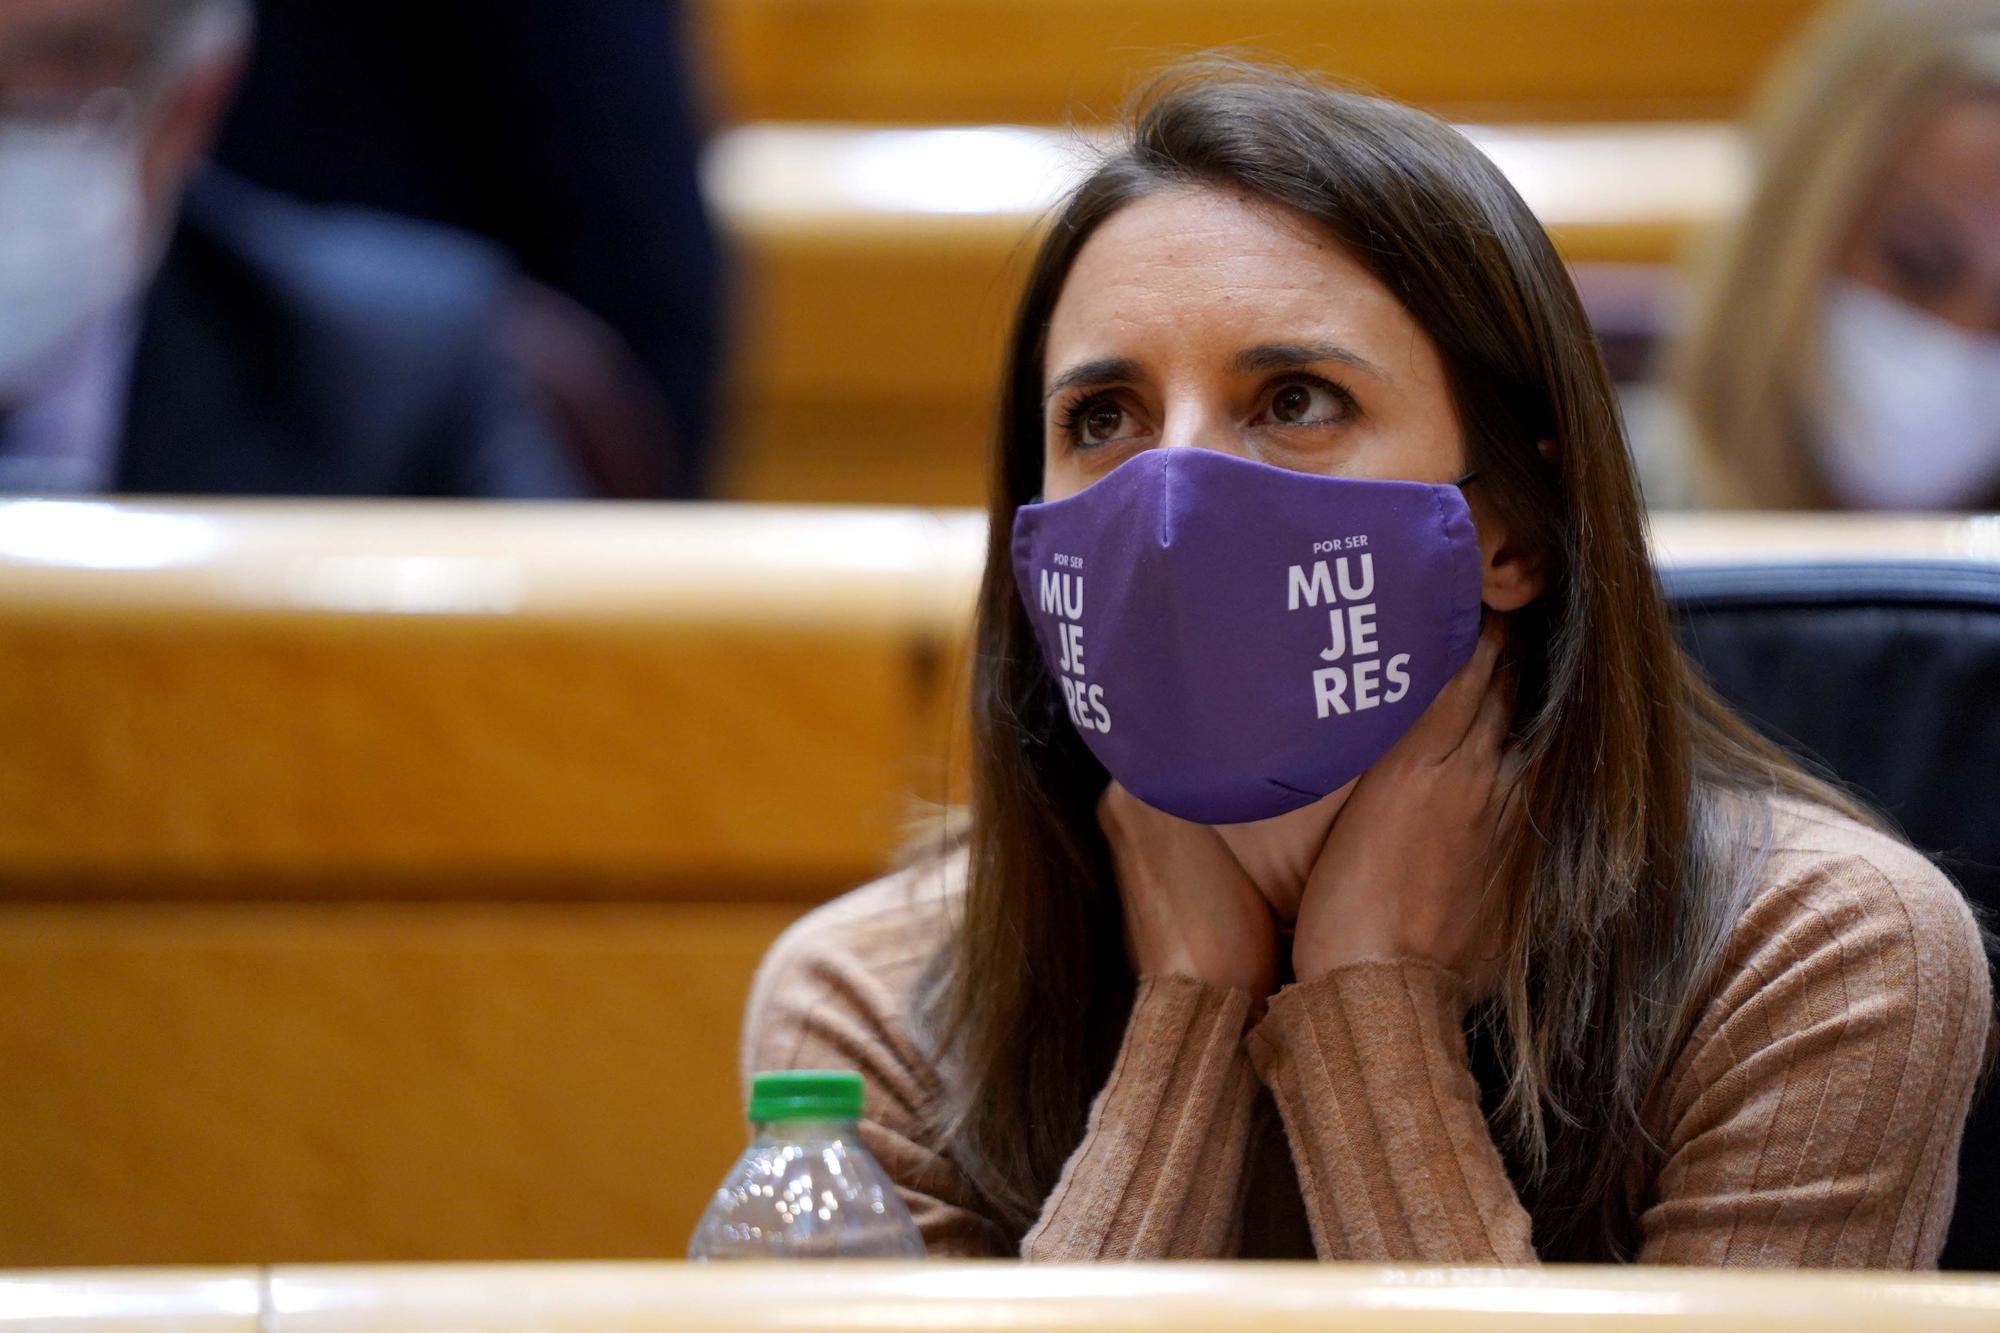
(1287, 356)
(1267, 356)
(1104, 370)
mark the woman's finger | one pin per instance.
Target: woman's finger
(1456, 708)
(1442, 725)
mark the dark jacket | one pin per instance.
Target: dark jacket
(291, 349)
(567, 131)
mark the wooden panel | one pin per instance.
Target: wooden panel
(196, 1084)
(650, 712)
(447, 752)
(1039, 62)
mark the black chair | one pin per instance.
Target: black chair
(1889, 675)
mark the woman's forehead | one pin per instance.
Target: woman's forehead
(1952, 161)
(1201, 268)
(1195, 239)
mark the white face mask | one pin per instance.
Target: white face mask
(71, 226)
(1911, 415)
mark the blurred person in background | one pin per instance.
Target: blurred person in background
(565, 130)
(164, 328)
(1844, 350)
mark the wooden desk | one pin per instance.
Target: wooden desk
(386, 880)
(383, 881)
(1044, 62)
(880, 270)
(133, 1300)
(1177, 1298)
(467, 700)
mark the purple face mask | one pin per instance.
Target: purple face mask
(1234, 640)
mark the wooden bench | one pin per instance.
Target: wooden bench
(384, 881)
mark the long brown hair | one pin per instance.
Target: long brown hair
(1824, 132)
(1624, 883)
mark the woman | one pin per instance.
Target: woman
(1844, 350)
(1722, 1018)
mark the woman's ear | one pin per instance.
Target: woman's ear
(1510, 576)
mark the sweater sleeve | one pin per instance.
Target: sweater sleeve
(1160, 1171)
(1395, 1163)
(1814, 1119)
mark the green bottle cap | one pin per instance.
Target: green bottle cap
(806, 1094)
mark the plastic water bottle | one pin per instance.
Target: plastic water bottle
(806, 1188)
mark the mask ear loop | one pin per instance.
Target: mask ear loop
(1468, 478)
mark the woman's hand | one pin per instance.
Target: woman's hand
(1189, 909)
(1404, 869)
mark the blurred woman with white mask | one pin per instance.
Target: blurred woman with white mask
(1844, 345)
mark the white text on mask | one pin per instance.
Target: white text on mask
(1357, 686)
(1062, 597)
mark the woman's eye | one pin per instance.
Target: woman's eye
(1097, 421)
(1924, 268)
(1306, 405)
(1102, 422)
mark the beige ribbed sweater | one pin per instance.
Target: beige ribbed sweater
(1812, 1119)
